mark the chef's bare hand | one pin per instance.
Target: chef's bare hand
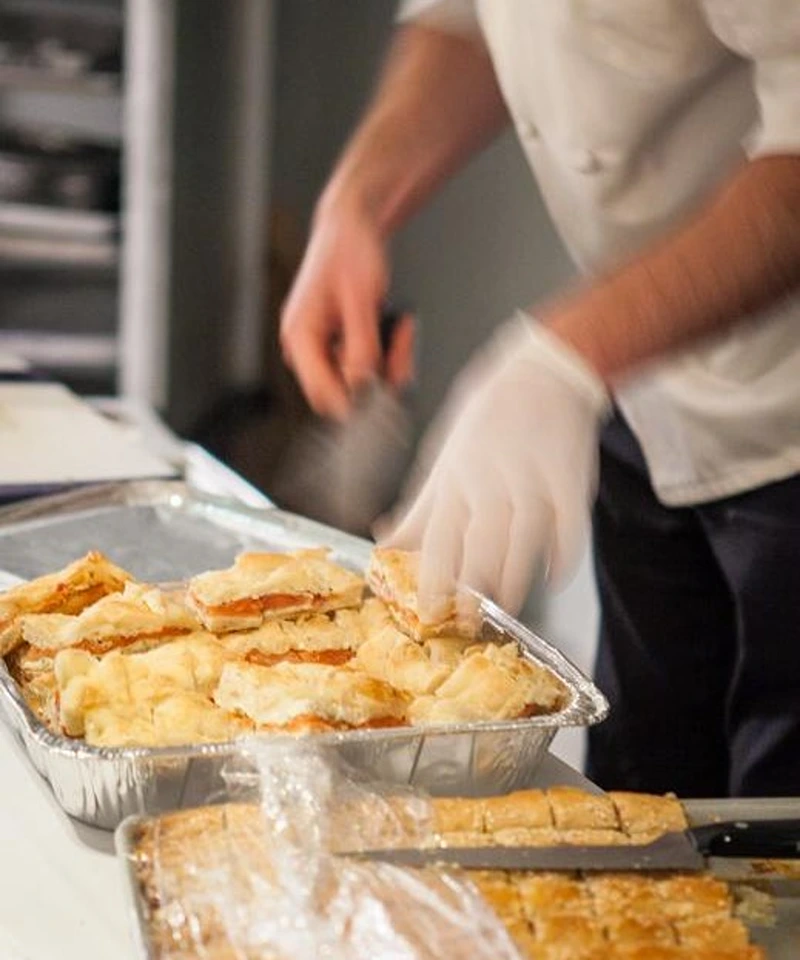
(329, 326)
(508, 472)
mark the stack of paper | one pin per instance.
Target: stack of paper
(50, 438)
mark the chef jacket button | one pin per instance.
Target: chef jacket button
(585, 161)
(529, 130)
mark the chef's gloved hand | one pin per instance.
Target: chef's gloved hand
(508, 472)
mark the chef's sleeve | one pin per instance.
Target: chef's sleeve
(453, 16)
(767, 33)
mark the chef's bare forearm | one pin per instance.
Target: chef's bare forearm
(740, 255)
(437, 104)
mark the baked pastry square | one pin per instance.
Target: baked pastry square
(643, 813)
(392, 576)
(457, 814)
(575, 809)
(133, 682)
(265, 586)
(310, 638)
(139, 613)
(499, 893)
(390, 655)
(713, 931)
(492, 682)
(68, 591)
(174, 719)
(299, 697)
(523, 808)
(553, 894)
(684, 896)
(575, 932)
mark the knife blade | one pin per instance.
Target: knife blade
(346, 474)
(767, 839)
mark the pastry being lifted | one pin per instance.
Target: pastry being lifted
(392, 576)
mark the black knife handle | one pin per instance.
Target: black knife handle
(767, 839)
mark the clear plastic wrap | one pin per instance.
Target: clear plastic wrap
(263, 875)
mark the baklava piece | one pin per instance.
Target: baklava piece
(68, 591)
(266, 586)
(524, 808)
(648, 814)
(575, 809)
(553, 894)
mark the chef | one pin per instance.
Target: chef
(664, 389)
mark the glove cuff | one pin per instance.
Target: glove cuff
(532, 336)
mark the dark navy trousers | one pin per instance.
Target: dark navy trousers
(699, 650)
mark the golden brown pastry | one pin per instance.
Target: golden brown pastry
(527, 837)
(457, 814)
(713, 931)
(575, 809)
(67, 591)
(390, 655)
(491, 683)
(642, 813)
(550, 894)
(686, 896)
(550, 916)
(523, 808)
(134, 682)
(299, 696)
(629, 894)
(311, 638)
(138, 613)
(392, 576)
(264, 586)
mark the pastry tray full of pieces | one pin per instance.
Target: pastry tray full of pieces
(153, 626)
(226, 881)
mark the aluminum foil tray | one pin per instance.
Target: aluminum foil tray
(164, 531)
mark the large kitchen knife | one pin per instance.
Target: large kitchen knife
(347, 474)
(764, 839)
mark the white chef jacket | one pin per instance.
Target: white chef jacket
(631, 113)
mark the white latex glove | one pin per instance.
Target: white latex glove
(514, 465)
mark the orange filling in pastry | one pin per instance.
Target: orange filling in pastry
(333, 658)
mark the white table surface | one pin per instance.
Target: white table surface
(61, 886)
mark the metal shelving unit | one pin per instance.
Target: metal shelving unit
(182, 264)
